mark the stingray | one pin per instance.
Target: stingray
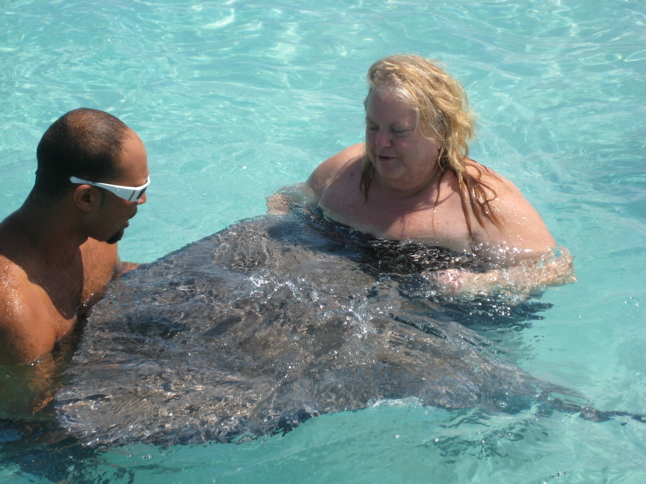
(274, 320)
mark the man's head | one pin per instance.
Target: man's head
(84, 143)
(95, 159)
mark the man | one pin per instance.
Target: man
(58, 251)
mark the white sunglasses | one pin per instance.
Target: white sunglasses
(132, 194)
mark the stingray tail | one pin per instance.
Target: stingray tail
(593, 414)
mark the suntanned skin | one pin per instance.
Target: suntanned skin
(55, 262)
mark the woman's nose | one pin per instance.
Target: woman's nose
(383, 138)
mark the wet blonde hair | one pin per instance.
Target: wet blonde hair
(443, 114)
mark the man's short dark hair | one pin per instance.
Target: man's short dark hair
(83, 143)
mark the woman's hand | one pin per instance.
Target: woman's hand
(524, 278)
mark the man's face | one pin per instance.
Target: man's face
(132, 164)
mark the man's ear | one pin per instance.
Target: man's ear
(86, 197)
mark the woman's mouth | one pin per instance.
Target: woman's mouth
(385, 159)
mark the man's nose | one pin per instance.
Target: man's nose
(142, 199)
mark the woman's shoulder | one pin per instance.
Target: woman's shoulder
(349, 155)
(492, 182)
(346, 160)
(520, 224)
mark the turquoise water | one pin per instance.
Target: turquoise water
(237, 99)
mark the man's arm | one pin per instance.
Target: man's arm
(122, 267)
(25, 328)
(25, 337)
(26, 389)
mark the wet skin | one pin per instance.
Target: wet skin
(56, 262)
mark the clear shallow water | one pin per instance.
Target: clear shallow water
(235, 100)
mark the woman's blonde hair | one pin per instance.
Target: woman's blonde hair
(443, 113)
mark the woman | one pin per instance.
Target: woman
(413, 179)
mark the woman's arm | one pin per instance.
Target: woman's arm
(312, 190)
(520, 245)
(528, 276)
(521, 233)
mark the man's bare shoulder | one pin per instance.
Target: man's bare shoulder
(12, 242)
(13, 257)
(17, 284)
(35, 309)
(26, 331)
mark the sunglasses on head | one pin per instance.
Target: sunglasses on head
(132, 194)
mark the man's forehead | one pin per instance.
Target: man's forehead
(132, 162)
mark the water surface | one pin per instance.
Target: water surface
(237, 99)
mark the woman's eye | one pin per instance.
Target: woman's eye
(372, 128)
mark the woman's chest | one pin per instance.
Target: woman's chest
(442, 224)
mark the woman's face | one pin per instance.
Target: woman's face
(403, 158)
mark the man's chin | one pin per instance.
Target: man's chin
(115, 238)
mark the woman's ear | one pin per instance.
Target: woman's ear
(86, 197)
